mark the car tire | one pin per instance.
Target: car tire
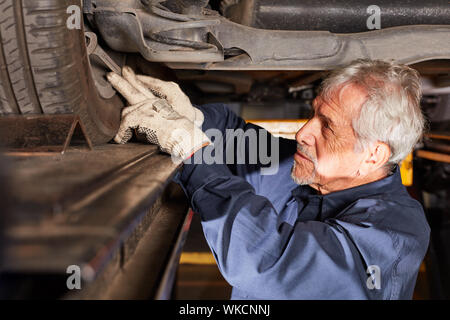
(45, 68)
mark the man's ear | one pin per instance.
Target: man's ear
(378, 155)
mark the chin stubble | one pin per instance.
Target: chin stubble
(303, 180)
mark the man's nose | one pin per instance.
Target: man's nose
(305, 136)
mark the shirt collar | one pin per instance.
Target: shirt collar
(333, 203)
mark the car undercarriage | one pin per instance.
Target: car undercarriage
(264, 58)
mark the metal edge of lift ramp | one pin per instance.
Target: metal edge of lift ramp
(111, 211)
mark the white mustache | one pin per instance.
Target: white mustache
(306, 153)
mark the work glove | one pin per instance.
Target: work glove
(156, 120)
(149, 87)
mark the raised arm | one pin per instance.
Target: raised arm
(256, 247)
(244, 147)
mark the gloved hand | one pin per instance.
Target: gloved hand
(149, 87)
(156, 120)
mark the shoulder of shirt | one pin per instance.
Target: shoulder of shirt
(376, 207)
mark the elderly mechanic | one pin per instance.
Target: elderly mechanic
(335, 222)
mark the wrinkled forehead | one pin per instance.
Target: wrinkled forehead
(345, 100)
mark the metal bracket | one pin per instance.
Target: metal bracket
(42, 133)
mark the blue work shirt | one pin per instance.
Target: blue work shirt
(274, 239)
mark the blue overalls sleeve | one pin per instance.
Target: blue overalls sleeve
(259, 252)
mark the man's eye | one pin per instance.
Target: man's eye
(327, 128)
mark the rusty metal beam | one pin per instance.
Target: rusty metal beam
(91, 209)
(42, 133)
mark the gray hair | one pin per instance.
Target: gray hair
(391, 112)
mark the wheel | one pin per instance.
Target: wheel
(45, 68)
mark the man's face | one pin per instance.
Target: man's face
(326, 157)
